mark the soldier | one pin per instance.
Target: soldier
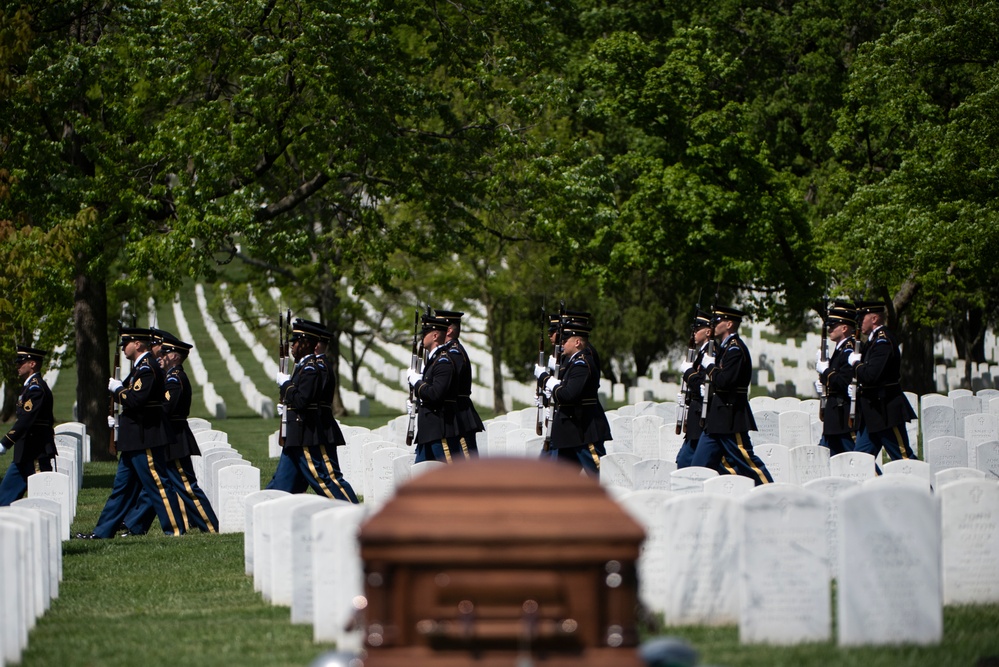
(579, 426)
(725, 445)
(882, 408)
(693, 376)
(305, 460)
(195, 506)
(31, 437)
(467, 419)
(142, 439)
(835, 376)
(329, 431)
(436, 393)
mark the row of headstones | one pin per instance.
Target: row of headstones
(223, 474)
(30, 569)
(765, 560)
(62, 485)
(214, 404)
(954, 414)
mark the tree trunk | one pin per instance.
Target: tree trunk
(495, 335)
(917, 358)
(90, 319)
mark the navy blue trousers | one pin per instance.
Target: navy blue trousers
(138, 472)
(315, 467)
(447, 450)
(837, 444)
(15, 480)
(196, 510)
(730, 453)
(587, 457)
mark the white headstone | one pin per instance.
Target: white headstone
(963, 407)
(852, 465)
(51, 508)
(623, 430)
(954, 474)
(784, 535)
(516, 441)
(945, 452)
(652, 475)
(795, 428)
(734, 486)
(914, 468)
(777, 459)
(831, 487)
(235, 484)
(979, 428)
(938, 421)
(808, 462)
(767, 427)
(249, 529)
(339, 576)
(617, 470)
(383, 479)
(496, 431)
(702, 538)
(301, 561)
(987, 455)
(894, 532)
(279, 512)
(970, 516)
(14, 538)
(690, 480)
(760, 403)
(645, 436)
(649, 509)
(53, 486)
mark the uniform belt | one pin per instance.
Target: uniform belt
(740, 390)
(154, 404)
(178, 419)
(464, 395)
(589, 401)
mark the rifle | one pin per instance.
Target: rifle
(549, 415)
(824, 356)
(540, 424)
(855, 385)
(684, 404)
(415, 364)
(284, 335)
(112, 412)
(708, 385)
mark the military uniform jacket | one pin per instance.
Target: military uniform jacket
(177, 406)
(31, 437)
(728, 407)
(300, 395)
(881, 404)
(836, 379)
(329, 430)
(437, 394)
(142, 424)
(466, 418)
(578, 419)
(694, 377)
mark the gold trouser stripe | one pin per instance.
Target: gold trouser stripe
(898, 441)
(728, 466)
(315, 474)
(163, 495)
(749, 460)
(447, 450)
(593, 453)
(183, 512)
(38, 465)
(331, 472)
(464, 448)
(194, 497)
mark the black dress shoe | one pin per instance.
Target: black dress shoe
(128, 533)
(87, 536)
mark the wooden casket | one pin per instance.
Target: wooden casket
(501, 562)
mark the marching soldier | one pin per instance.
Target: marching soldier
(725, 445)
(142, 439)
(305, 460)
(31, 437)
(882, 408)
(467, 419)
(579, 426)
(436, 392)
(835, 376)
(693, 376)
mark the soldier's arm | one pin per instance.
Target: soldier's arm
(570, 390)
(725, 374)
(171, 394)
(30, 406)
(870, 370)
(300, 392)
(437, 386)
(137, 392)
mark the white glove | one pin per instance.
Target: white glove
(413, 377)
(539, 371)
(818, 356)
(3, 450)
(686, 366)
(114, 384)
(821, 366)
(707, 360)
(704, 392)
(548, 413)
(855, 358)
(851, 391)
(282, 378)
(679, 398)
(550, 386)
(551, 362)
(409, 408)
(538, 403)
(281, 409)
(818, 388)
(110, 422)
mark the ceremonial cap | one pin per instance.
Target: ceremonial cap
(702, 319)
(726, 313)
(841, 312)
(433, 324)
(570, 330)
(314, 329)
(26, 353)
(864, 307)
(553, 320)
(171, 342)
(451, 316)
(303, 329)
(128, 334)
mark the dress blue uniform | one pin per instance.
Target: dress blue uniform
(305, 458)
(694, 379)
(467, 421)
(195, 507)
(725, 445)
(31, 437)
(882, 408)
(579, 425)
(837, 434)
(142, 439)
(436, 393)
